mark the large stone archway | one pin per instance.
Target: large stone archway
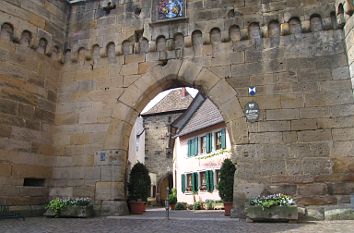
(176, 73)
(66, 117)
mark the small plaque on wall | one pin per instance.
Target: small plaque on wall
(102, 155)
(252, 111)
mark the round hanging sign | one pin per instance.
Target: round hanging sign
(252, 111)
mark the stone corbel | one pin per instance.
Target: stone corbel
(188, 41)
(306, 26)
(284, 29)
(103, 52)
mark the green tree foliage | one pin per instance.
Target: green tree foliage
(226, 183)
(139, 183)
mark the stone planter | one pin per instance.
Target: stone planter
(72, 212)
(275, 213)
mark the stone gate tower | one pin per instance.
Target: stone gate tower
(74, 75)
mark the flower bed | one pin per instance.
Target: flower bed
(69, 207)
(276, 207)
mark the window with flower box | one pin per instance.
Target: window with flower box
(220, 140)
(203, 145)
(203, 182)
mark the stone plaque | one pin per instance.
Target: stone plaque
(102, 155)
(252, 111)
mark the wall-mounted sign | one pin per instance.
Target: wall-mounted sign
(252, 111)
(102, 155)
(252, 91)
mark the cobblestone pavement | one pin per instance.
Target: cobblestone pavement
(181, 222)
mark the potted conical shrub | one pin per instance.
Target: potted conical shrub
(226, 184)
(138, 188)
(172, 199)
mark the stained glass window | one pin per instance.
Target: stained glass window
(171, 9)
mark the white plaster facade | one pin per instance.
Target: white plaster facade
(137, 143)
(184, 165)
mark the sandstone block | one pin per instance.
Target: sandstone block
(134, 58)
(80, 139)
(32, 171)
(303, 124)
(344, 134)
(343, 164)
(314, 112)
(289, 137)
(109, 191)
(129, 69)
(340, 188)
(285, 189)
(316, 200)
(5, 169)
(314, 135)
(61, 192)
(316, 166)
(266, 137)
(5, 131)
(275, 126)
(282, 114)
(342, 149)
(312, 189)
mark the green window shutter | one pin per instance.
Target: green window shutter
(207, 180)
(195, 146)
(223, 139)
(195, 181)
(209, 143)
(211, 178)
(189, 148)
(183, 182)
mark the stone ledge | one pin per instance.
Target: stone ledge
(275, 213)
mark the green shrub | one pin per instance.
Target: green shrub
(181, 206)
(226, 183)
(272, 200)
(209, 204)
(190, 207)
(57, 204)
(139, 183)
(172, 198)
(197, 205)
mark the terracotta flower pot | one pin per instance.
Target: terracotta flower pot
(227, 208)
(173, 206)
(137, 207)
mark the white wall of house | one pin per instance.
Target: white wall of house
(137, 148)
(200, 163)
(137, 143)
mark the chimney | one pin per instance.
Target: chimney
(184, 92)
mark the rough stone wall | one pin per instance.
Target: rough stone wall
(32, 33)
(157, 139)
(293, 51)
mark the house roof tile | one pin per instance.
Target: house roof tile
(206, 115)
(177, 100)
